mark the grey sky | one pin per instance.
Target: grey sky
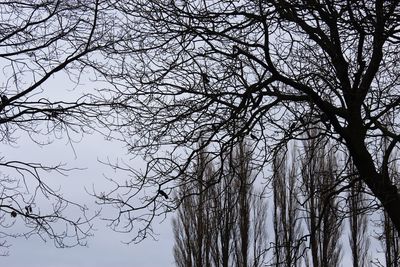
(106, 247)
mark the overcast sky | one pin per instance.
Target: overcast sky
(106, 248)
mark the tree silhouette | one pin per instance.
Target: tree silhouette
(358, 220)
(222, 225)
(41, 41)
(272, 70)
(287, 225)
(320, 173)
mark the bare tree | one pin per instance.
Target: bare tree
(323, 219)
(191, 230)
(250, 235)
(242, 171)
(358, 221)
(259, 229)
(389, 237)
(391, 242)
(217, 226)
(270, 70)
(40, 40)
(287, 224)
(199, 226)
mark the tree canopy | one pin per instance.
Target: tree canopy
(179, 73)
(217, 71)
(43, 41)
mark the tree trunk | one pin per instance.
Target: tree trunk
(380, 184)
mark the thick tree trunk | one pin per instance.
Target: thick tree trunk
(380, 184)
(388, 195)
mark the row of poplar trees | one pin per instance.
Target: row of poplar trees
(311, 211)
